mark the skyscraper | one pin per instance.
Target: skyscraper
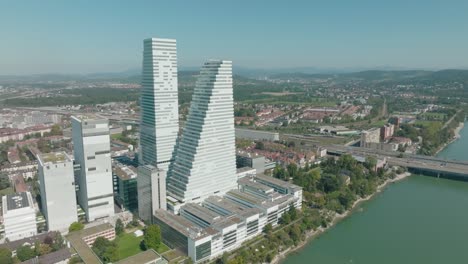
(91, 145)
(159, 102)
(151, 184)
(57, 190)
(205, 159)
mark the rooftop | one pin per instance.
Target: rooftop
(18, 200)
(183, 225)
(201, 212)
(274, 181)
(125, 172)
(83, 250)
(53, 157)
(143, 257)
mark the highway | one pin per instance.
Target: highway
(419, 162)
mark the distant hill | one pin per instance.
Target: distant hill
(377, 75)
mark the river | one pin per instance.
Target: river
(417, 220)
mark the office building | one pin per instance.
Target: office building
(159, 104)
(57, 185)
(252, 160)
(91, 143)
(219, 224)
(125, 186)
(205, 157)
(370, 136)
(19, 216)
(151, 191)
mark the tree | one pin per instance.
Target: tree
(152, 238)
(24, 253)
(119, 227)
(268, 229)
(260, 145)
(44, 249)
(75, 226)
(106, 250)
(4, 181)
(370, 163)
(58, 242)
(5, 256)
(75, 260)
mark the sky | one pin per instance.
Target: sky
(61, 36)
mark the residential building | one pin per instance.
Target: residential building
(19, 216)
(387, 131)
(91, 143)
(159, 124)
(57, 185)
(151, 183)
(205, 157)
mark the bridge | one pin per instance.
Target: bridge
(418, 164)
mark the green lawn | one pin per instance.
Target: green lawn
(6, 191)
(425, 123)
(128, 245)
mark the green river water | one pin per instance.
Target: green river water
(417, 220)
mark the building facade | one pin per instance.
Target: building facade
(370, 136)
(159, 124)
(205, 158)
(57, 185)
(91, 143)
(19, 216)
(221, 224)
(125, 186)
(151, 184)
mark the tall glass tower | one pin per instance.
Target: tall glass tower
(205, 161)
(159, 122)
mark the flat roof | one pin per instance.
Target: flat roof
(83, 250)
(201, 212)
(182, 225)
(18, 200)
(53, 157)
(143, 257)
(250, 182)
(277, 182)
(232, 207)
(125, 172)
(247, 197)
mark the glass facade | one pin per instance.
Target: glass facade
(202, 251)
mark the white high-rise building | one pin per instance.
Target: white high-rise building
(91, 144)
(159, 102)
(151, 184)
(57, 190)
(19, 216)
(205, 159)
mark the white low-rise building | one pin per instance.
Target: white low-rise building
(19, 216)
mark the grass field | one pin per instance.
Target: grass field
(6, 191)
(424, 123)
(434, 116)
(128, 245)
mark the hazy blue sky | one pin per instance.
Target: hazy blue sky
(96, 36)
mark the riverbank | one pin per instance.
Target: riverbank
(456, 136)
(336, 218)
